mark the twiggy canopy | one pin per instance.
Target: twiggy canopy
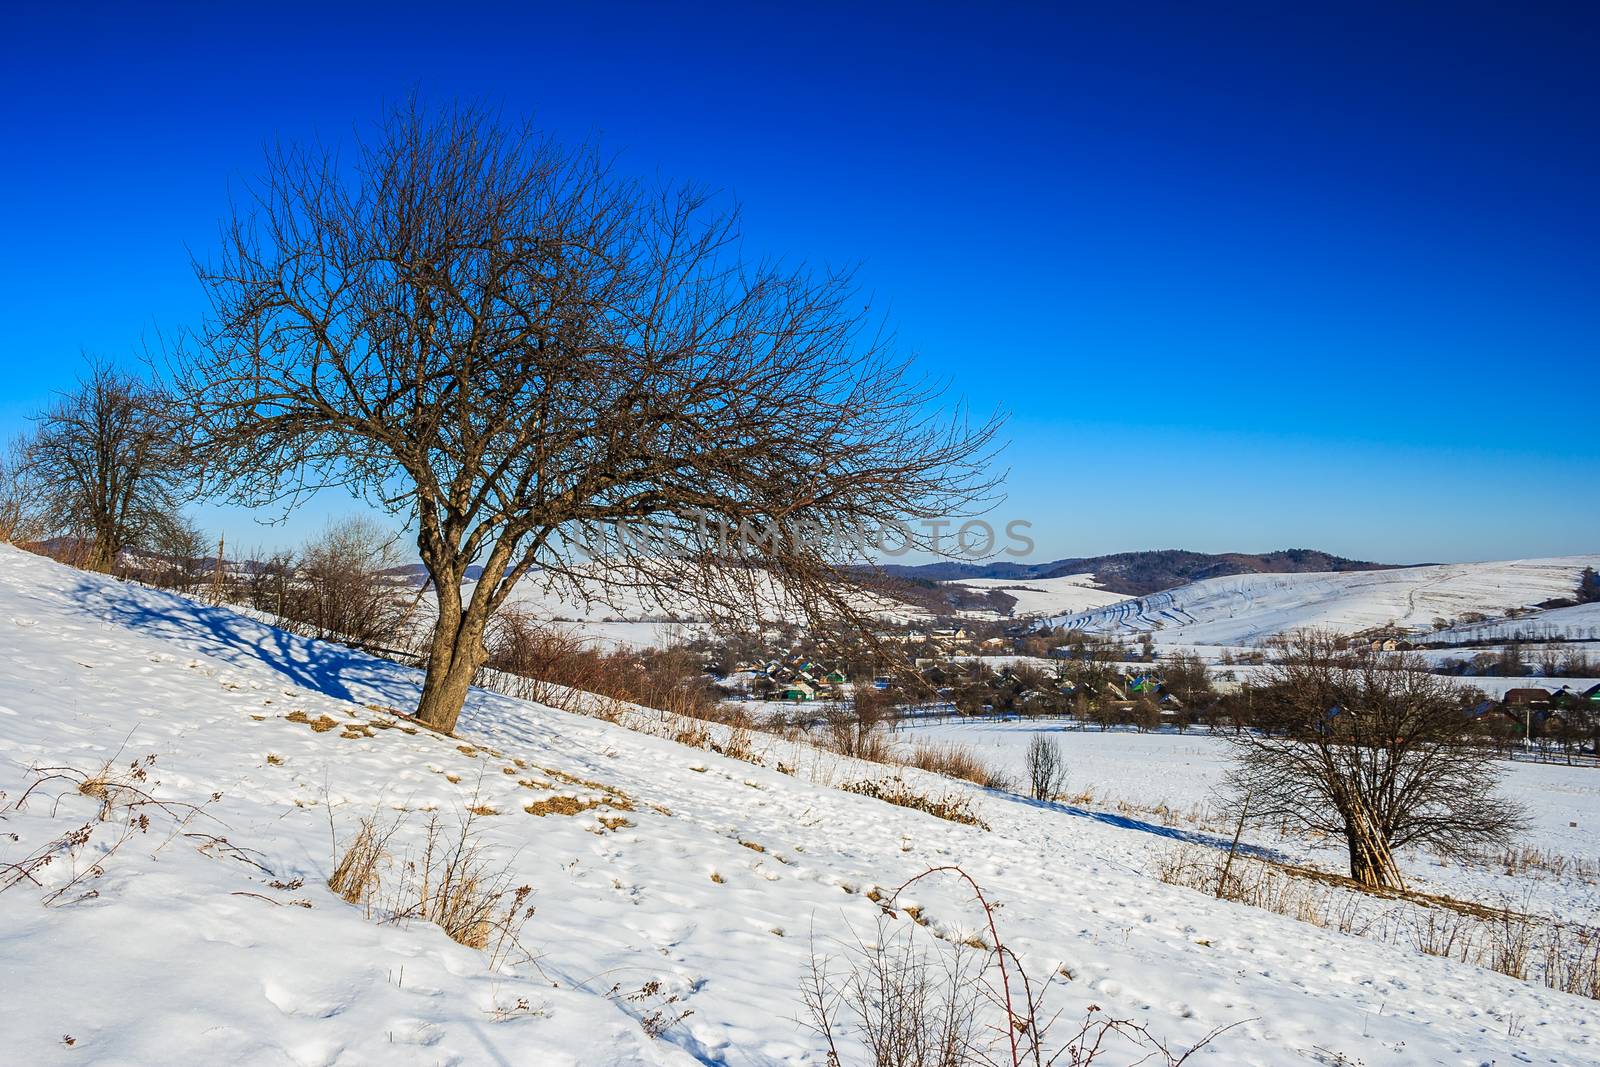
(105, 465)
(500, 339)
(1371, 746)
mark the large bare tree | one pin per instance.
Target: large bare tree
(1371, 747)
(524, 355)
(108, 464)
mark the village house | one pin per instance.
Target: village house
(797, 691)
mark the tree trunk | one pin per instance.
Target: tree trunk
(444, 690)
(101, 555)
(1371, 860)
(454, 658)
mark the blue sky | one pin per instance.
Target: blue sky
(1247, 277)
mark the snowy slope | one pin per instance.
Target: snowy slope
(621, 615)
(1580, 622)
(1245, 608)
(187, 954)
(1048, 596)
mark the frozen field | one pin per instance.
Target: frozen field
(1180, 770)
(673, 887)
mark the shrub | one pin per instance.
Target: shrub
(452, 882)
(1047, 771)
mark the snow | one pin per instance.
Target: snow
(1185, 769)
(628, 616)
(168, 963)
(1185, 773)
(1047, 596)
(1244, 609)
(1578, 622)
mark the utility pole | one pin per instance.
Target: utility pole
(216, 575)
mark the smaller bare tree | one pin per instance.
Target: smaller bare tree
(267, 580)
(1186, 677)
(1047, 770)
(185, 557)
(21, 519)
(341, 589)
(1372, 747)
(107, 463)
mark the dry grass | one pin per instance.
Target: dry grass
(1572, 960)
(321, 724)
(356, 873)
(127, 804)
(953, 761)
(1519, 860)
(453, 885)
(653, 1005)
(452, 881)
(572, 804)
(954, 807)
(909, 1002)
(564, 804)
(1522, 946)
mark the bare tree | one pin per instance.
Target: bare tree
(341, 588)
(107, 462)
(1047, 770)
(528, 357)
(1372, 747)
(183, 557)
(21, 519)
(267, 581)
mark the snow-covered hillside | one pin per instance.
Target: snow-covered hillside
(676, 890)
(1245, 608)
(1047, 596)
(1581, 622)
(623, 615)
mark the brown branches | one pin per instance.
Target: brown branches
(528, 355)
(125, 797)
(1371, 746)
(106, 462)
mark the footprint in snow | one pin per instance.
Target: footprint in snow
(301, 1000)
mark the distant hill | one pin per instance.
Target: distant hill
(1139, 573)
(1246, 608)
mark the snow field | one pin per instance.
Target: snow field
(167, 963)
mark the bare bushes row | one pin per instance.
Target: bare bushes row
(559, 668)
(556, 667)
(856, 728)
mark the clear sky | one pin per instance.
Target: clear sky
(1247, 276)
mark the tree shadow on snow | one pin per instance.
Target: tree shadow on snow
(225, 634)
(1172, 833)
